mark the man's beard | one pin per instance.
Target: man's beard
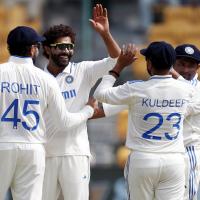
(61, 63)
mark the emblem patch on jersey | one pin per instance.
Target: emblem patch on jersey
(189, 50)
(69, 79)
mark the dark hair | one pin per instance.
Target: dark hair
(159, 65)
(55, 32)
(22, 50)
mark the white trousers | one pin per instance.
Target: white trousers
(155, 176)
(22, 169)
(192, 163)
(71, 174)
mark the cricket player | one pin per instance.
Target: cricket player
(187, 65)
(28, 95)
(156, 112)
(68, 156)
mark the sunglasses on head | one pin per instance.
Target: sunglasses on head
(63, 46)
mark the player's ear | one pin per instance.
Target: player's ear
(148, 62)
(34, 51)
(47, 50)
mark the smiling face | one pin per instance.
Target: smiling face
(58, 56)
(186, 67)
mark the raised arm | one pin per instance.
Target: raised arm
(107, 110)
(101, 25)
(127, 56)
(121, 94)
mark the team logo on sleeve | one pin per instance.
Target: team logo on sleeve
(69, 79)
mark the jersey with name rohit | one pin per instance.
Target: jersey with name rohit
(156, 111)
(75, 83)
(27, 94)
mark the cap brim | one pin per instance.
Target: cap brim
(143, 52)
(41, 39)
(188, 56)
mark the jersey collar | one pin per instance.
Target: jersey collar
(161, 77)
(67, 69)
(21, 60)
(195, 77)
(194, 81)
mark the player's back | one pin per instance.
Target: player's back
(23, 91)
(156, 114)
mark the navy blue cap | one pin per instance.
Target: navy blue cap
(23, 35)
(188, 51)
(160, 53)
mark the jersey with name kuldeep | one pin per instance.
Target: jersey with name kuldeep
(156, 111)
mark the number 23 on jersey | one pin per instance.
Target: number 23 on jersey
(150, 134)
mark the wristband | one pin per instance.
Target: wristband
(114, 72)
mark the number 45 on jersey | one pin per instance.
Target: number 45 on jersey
(13, 110)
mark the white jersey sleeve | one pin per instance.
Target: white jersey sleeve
(110, 110)
(112, 95)
(96, 69)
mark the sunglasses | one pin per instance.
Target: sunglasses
(63, 46)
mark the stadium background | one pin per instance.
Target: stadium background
(135, 21)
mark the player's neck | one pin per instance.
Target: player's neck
(161, 72)
(54, 70)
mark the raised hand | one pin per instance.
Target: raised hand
(127, 57)
(100, 19)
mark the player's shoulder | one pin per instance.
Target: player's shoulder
(39, 71)
(76, 65)
(135, 84)
(130, 82)
(4, 65)
(182, 84)
(46, 77)
(91, 62)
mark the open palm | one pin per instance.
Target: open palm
(100, 19)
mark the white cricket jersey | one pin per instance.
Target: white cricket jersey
(191, 125)
(27, 95)
(156, 111)
(75, 83)
(110, 110)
